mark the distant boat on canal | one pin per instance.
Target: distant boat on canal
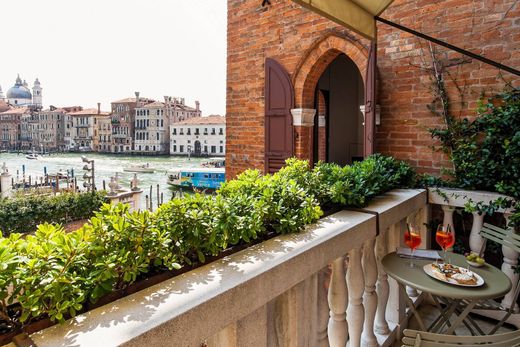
(197, 178)
(32, 156)
(146, 168)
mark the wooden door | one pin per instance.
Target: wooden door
(279, 100)
(370, 102)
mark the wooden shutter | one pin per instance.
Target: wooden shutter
(279, 100)
(370, 102)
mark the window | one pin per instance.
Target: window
(189, 141)
(196, 131)
(221, 149)
(189, 131)
(174, 131)
(205, 149)
(157, 136)
(181, 148)
(221, 131)
(213, 131)
(162, 123)
(213, 149)
(175, 148)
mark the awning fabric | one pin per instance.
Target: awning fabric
(357, 15)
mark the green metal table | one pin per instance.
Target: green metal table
(496, 284)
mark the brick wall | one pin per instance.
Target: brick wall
(305, 43)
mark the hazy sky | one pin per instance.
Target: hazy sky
(84, 52)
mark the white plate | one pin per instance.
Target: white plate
(430, 272)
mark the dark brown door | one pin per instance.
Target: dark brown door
(279, 100)
(370, 102)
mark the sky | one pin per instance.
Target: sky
(85, 52)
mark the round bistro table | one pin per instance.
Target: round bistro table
(496, 284)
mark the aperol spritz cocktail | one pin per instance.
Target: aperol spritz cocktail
(412, 238)
(445, 238)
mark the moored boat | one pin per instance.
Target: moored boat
(198, 178)
(145, 168)
(32, 156)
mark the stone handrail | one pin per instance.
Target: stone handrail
(450, 200)
(280, 292)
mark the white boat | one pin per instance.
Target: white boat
(199, 178)
(32, 156)
(145, 168)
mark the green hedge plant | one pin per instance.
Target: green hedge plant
(56, 274)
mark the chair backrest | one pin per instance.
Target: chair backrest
(506, 237)
(414, 338)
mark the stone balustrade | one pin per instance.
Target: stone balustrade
(450, 200)
(321, 287)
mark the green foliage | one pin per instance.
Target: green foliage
(55, 274)
(25, 213)
(486, 152)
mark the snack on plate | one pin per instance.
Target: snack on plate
(445, 272)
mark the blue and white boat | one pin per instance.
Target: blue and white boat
(197, 178)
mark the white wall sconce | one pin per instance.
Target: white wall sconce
(378, 114)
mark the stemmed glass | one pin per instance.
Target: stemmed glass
(412, 238)
(445, 238)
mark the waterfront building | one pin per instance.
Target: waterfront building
(199, 136)
(104, 134)
(82, 137)
(10, 126)
(152, 129)
(68, 126)
(29, 131)
(178, 111)
(51, 129)
(20, 95)
(123, 122)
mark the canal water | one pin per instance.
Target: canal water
(106, 166)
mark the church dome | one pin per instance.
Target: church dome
(19, 91)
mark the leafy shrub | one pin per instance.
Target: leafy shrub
(53, 273)
(23, 214)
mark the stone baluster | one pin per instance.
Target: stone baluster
(338, 302)
(370, 295)
(382, 288)
(510, 262)
(323, 306)
(355, 284)
(475, 240)
(448, 219)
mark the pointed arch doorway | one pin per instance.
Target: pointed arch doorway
(339, 129)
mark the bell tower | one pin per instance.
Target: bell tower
(37, 93)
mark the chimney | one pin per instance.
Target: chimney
(137, 98)
(98, 108)
(197, 105)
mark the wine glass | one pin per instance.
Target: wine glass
(412, 238)
(445, 238)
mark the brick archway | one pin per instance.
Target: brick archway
(316, 61)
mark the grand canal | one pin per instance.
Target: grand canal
(106, 166)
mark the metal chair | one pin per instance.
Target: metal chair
(508, 238)
(414, 338)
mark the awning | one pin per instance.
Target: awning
(357, 15)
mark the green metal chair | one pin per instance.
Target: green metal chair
(508, 238)
(414, 338)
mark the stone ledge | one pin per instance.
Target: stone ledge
(196, 305)
(460, 197)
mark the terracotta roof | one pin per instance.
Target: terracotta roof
(4, 106)
(153, 104)
(17, 110)
(88, 112)
(204, 121)
(129, 100)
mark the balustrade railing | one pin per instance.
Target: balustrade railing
(321, 287)
(452, 199)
